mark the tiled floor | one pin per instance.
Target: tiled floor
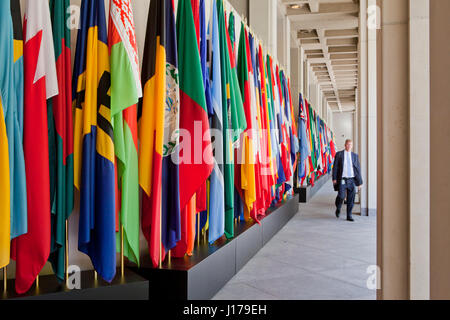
(315, 256)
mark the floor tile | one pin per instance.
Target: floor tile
(315, 256)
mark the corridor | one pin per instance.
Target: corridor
(314, 257)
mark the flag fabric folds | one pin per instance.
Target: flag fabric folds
(61, 138)
(14, 124)
(5, 208)
(245, 176)
(196, 158)
(126, 89)
(31, 251)
(93, 141)
(206, 130)
(232, 114)
(217, 192)
(6, 76)
(304, 145)
(159, 124)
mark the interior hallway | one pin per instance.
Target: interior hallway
(314, 257)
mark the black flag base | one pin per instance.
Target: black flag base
(201, 276)
(306, 193)
(83, 286)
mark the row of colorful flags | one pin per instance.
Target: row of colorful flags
(317, 146)
(203, 134)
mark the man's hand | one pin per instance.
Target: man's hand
(334, 182)
(359, 188)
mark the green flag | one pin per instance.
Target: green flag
(233, 116)
(61, 138)
(126, 90)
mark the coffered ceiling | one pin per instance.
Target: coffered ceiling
(328, 31)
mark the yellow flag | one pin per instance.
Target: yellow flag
(5, 209)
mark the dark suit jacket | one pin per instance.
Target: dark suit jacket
(338, 169)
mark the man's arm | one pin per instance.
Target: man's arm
(361, 182)
(335, 169)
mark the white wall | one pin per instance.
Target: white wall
(241, 7)
(343, 127)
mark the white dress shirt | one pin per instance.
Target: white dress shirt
(348, 165)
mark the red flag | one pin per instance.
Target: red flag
(197, 160)
(31, 251)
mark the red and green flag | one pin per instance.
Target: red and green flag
(61, 137)
(233, 116)
(196, 157)
(245, 173)
(126, 90)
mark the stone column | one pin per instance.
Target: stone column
(419, 153)
(295, 77)
(393, 150)
(440, 148)
(362, 104)
(370, 207)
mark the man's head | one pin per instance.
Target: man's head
(348, 145)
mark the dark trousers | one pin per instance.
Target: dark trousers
(348, 189)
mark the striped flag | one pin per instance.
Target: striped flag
(233, 116)
(267, 159)
(202, 208)
(61, 133)
(6, 83)
(5, 208)
(158, 133)
(31, 251)
(245, 178)
(217, 205)
(126, 89)
(257, 126)
(93, 141)
(14, 124)
(304, 145)
(197, 161)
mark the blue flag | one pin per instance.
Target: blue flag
(170, 203)
(94, 155)
(11, 86)
(304, 144)
(217, 191)
(206, 83)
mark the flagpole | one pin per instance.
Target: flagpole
(5, 279)
(198, 229)
(122, 259)
(66, 253)
(160, 237)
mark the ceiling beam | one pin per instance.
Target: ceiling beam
(324, 9)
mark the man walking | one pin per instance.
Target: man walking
(346, 178)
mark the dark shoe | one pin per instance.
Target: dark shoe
(350, 219)
(338, 213)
